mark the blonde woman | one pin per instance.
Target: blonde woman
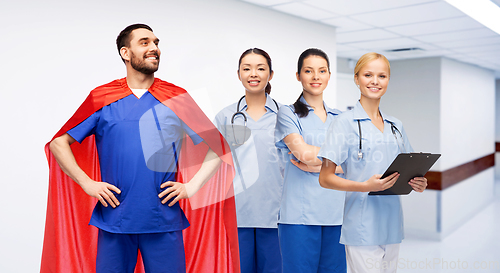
(364, 141)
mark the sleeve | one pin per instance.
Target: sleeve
(336, 148)
(286, 123)
(192, 134)
(85, 128)
(220, 122)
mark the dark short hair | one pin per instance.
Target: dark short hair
(123, 39)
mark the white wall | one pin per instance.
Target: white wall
(497, 111)
(413, 97)
(497, 126)
(54, 52)
(422, 214)
(462, 201)
(347, 91)
(467, 133)
(497, 166)
(446, 108)
(467, 108)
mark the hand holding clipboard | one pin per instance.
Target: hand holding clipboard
(408, 165)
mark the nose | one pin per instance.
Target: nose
(153, 47)
(253, 73)
(375, 80)
(315, 75)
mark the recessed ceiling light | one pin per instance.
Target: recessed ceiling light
(406, 49)
(483, 11)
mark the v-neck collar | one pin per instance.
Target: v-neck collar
(329, 111)
(270, 105)
(359, 113)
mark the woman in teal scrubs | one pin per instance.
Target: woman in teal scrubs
(310, 216)
(364, 141)
(248, 127)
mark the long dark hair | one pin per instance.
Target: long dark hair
(300, 108)
(263, 54)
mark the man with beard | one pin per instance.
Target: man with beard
(140, 126)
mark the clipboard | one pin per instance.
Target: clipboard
(408, 165)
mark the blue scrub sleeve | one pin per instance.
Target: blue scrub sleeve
(85, 128)
(194, 136)
(220, 121)
(335, 148)
(286, 123)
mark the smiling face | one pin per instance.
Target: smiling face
(373, 79)
(143, 52)
(314, 75)
(254, 73)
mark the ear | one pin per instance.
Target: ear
(271, 76)
(238, 72)
(356, 79)
(124, 52)
(298, 76)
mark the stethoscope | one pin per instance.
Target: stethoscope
(394, 129)
(238, 112)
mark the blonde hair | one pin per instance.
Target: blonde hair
(368, 57)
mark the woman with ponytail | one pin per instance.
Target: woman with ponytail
(310, 216)
(248, 127)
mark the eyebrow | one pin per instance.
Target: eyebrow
(257, 64)
(310, 67)
(383, 72)
(147, 38)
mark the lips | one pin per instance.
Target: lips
(253, 83)
(374, 89)
(152, 57)
(315, 84)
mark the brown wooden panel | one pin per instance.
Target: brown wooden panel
(450, 177)
(497, 146)
(433, 180)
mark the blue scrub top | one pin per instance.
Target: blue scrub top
(258, 180)
(138, 141)
(368, 219)
(304, 201)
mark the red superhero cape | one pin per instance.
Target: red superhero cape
(211, 242)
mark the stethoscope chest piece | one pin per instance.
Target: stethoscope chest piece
(240, 132)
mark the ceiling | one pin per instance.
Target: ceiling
(429, 27)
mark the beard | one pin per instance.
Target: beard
(140, 64)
